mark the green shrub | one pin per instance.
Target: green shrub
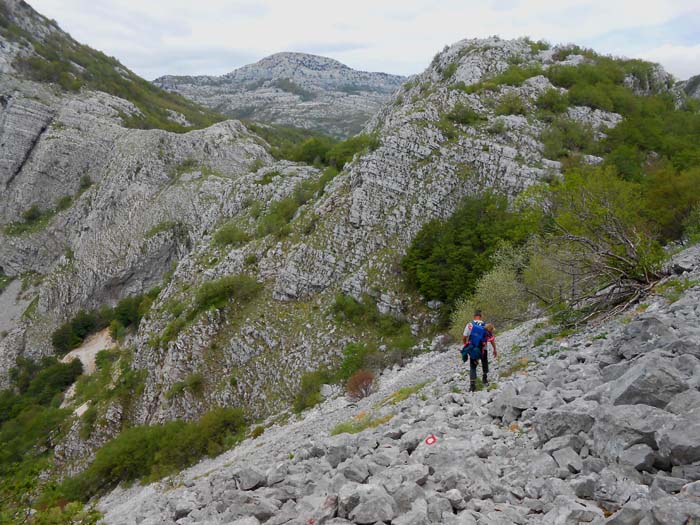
(219, 293)
(33, 219)
(193, 383)
(309, 394)
(161, 227)
(595, 97)
(354, 359)
(449, 71)
(515, 75)
(499, 294)
(462, 114)
(257, 432)
(152, 452)
(447, 128)
(64, 203)
(343, 152)
(230, 235)
(565, 137)
(511, 104)
(553, 101)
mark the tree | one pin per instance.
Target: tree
(599, 238)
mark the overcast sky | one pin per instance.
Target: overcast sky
(157, 37)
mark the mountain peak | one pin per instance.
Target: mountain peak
(304, 60)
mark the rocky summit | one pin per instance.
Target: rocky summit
(600, 427)
(293, 89)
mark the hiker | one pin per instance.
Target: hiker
(475, 339)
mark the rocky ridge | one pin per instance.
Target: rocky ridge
(599, 427)
(293, 89)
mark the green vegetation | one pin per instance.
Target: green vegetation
(231, 290)
(33, 219)
(565, 137)
(518, 366)
(128, 313)
(449, 71)
(267, 178)
(161, 227)
(313, 148)
(194, 384)
(30, 425)
(231, 236)
(674, 288)
(280, 213)
(359, 423)
(309, 394)
(218, 293)
(553, 101)
(446, 258)
(511, 104)
(462, 114)
(151, 452)
(5, 281)
(71, 65)
(287, 85)
(402, 394)
(515, 75)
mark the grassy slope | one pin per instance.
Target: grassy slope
(57, 58)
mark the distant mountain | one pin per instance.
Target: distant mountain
(296, 89)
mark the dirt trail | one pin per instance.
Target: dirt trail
(88, 350)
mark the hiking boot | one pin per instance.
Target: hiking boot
(472, 386)
(486, 381)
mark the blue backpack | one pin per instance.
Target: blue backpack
(473, 347)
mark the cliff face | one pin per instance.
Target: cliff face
(295, 89)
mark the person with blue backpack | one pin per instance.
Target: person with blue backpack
(475, 338)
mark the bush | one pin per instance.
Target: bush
(230, 235)
(152, 452)
(511, 104)
(309, 394)
(595, 97)
(354, 359)
(194, 383)
(553, 101)
(219, 293)
(499, 295)
(462, 114)
(565, 137)
(360, 384)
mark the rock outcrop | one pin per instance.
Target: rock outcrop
(293, 89)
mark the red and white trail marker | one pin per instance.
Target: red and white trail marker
(431, 439)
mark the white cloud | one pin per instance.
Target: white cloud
(398, 36)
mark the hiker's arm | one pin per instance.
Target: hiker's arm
(467, 332)
(493, 344)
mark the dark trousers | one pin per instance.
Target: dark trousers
(473, 363)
